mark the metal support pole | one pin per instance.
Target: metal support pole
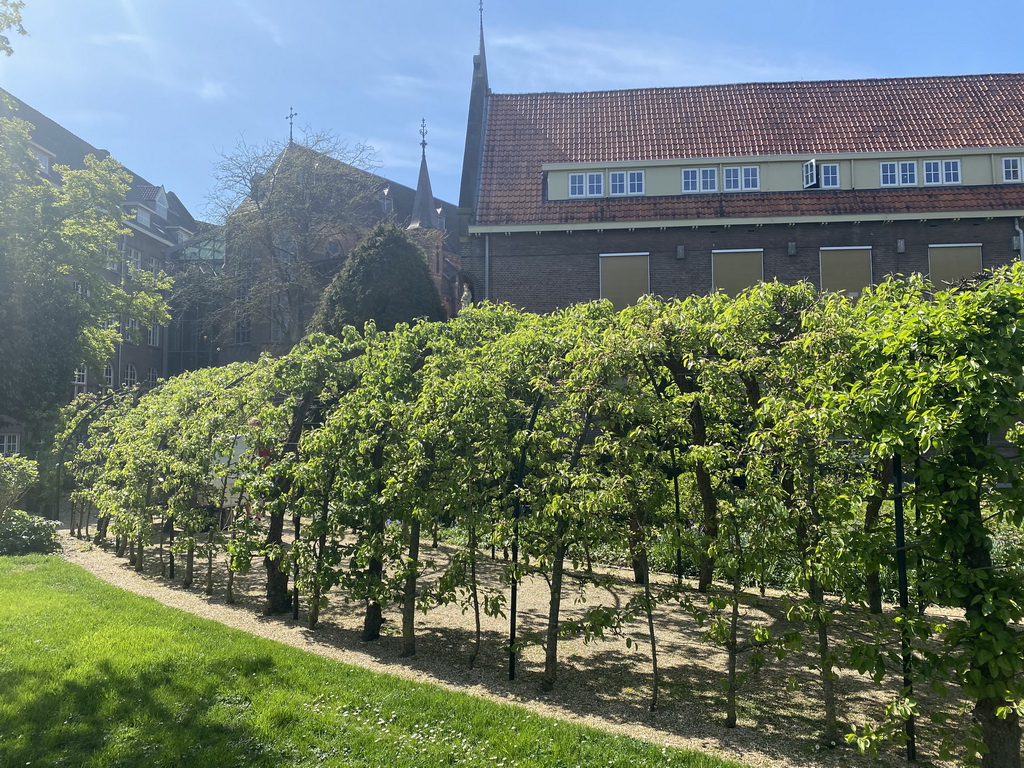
(514, 596)
(901, 570)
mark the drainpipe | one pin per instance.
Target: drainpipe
(1020, 240)
(487, 267)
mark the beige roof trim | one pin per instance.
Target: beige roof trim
(738, 221)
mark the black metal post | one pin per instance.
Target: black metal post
(901, 570)
(514, 596)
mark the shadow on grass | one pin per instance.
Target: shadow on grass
(156, 716)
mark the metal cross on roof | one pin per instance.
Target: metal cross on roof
(290, 118)
(423, 134)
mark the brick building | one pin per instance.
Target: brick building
(156, 221)
(569, 197)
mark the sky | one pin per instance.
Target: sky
(171, 86)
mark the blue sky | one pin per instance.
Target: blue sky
(166, 85)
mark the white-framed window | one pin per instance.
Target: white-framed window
(154, 336)
(441, 221)
(617, 182)
(1011, 169)
(691, 179)
(636, 182)
(950, 171)
(9, 443)
(751, 177)
(108, 375)
(81, 380)
(708, 179)
(151, 377)
(810, 174)
(161, 205)
(586, 185)
(133, 256)
(746, 177)
(932, 172)
(908, 173)
(131, 324)
(131, 375)
(43, 158)
(142, 216)
(829, 175)
(888, 175)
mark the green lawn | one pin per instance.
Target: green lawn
(93, 676)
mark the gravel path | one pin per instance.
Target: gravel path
(602, 684)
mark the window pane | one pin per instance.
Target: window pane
(888, 174)
(950, 264)
(708, 179)
(951, 172)
(575, 184)
(636, 182)
(830, 175)
(908, 173)
(752, 177)
(931, 172)
(617, 182)
(624, 279)
(595, 183)
(845, 270)
(689, 180)
(731, 179)
(733, 271)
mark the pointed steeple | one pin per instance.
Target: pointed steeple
(476, 125)
(424, 212)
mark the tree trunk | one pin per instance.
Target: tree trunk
(278, 598)
(872, 580)
(409, 597)
(139, 550)
(1000, 735)
(210, 546)
(709, 504)
(190, 563)
(554, 606)
(637, 551)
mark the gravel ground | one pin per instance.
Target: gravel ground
(604, 684)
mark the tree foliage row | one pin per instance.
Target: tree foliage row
(752, 438)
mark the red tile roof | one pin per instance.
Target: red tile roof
(525, 131)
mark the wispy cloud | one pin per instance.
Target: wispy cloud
(577, 60)
(261, 21)
(212, 90)
(117, 38)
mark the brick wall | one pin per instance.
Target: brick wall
(542, 272)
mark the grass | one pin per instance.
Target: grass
(96, 677)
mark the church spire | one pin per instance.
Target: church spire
(424, 210)
(476, 124)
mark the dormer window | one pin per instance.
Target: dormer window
(44, 160)
(142, 216)
(441, 219)
(161, 205)
(586, 184)
(387, 201)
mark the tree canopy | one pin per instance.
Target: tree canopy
(55, 296)
(386, 280)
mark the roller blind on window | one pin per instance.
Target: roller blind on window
(625, 278)
(845, 270)
(734, 271)
(948, 264)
